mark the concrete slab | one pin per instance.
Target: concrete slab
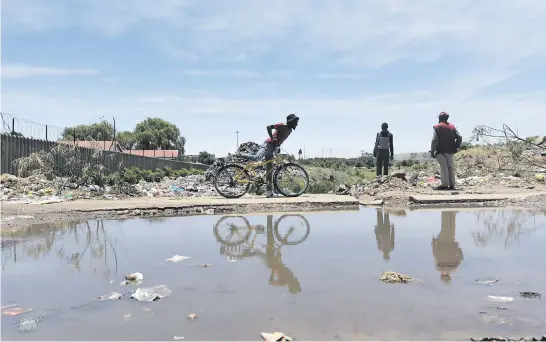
(371, 202)
(178, 203)
(459, 198)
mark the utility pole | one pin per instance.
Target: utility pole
(303, 151)
(322, 152)
(362, 153)
(330, 152)
(237, 139)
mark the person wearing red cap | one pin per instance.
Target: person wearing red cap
(446, 141)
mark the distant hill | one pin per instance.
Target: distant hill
(420, 156)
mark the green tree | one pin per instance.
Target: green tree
(158, 134)
(98, 131)
(413, 155)
(205, 158)
(126, 139)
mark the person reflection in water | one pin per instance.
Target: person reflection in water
(280, 274)
(447, 253)
(384, 234)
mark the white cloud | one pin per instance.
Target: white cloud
(25, 71)
(235, 73)
(332, 75)
(364, 33)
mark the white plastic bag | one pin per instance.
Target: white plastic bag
(151, 294)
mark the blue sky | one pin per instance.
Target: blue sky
(216, 67)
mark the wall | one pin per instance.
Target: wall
(16, 147)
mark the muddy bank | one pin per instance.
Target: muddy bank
(16, 214)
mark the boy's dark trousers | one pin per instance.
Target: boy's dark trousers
(382, 161)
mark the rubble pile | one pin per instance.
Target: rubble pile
(402, 181)
(246, 148)
(39, 190)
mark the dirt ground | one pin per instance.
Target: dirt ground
(14, 215)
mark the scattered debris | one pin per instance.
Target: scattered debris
(9, 306)
(12, 311)
(29, 323)
(276, 336)
(487, 281)
(178, 258)
(500, 299)
(192, 316)
(497, 307)
(530, 295)
(110, 296)
(500, 338)
(133, 279)
(394, 277)
(151, 294)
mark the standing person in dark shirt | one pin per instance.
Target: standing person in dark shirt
(383, 144)
(446, 141)
(275, 140)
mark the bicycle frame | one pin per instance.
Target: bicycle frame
(251, 169)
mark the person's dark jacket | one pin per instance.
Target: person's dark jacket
(384, 141)
(445, 139)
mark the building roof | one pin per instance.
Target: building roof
(154, 153)
(104, 145)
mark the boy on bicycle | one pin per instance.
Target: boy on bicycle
(271, 145)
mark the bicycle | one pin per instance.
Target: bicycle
(248, 174)
(238, 244)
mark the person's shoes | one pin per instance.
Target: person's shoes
(441, 188)
(452, 187)
(271, 194)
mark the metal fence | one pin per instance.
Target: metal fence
(14, 147)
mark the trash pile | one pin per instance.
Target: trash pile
(38, 190)
(404, 181)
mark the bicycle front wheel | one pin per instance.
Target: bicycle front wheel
(291, 180)
(294, 224)
(232, 181)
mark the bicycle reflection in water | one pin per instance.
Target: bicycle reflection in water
(238, 241)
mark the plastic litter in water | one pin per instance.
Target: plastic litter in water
(500, 299)
(110, 296)
(151, 294)
(178, 258)
(487, 281)
(30, 323)
(133, 278)
(14, 311)
(276, 336)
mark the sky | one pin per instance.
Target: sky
(219, 67)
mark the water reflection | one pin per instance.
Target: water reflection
(237, 238)
(90, 243)
(508, 226)
(384, 233)
(445, 248)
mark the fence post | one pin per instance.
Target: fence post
(46, 132)
(12, 126)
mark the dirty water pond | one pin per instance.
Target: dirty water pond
(312, 276)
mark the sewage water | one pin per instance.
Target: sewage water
(313, 276)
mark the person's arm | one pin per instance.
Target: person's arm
(375, 145)
(433, 144)
(391, 146)
(458, 139)
(270, 129)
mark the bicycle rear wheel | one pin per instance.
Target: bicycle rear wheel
(291, 180)
(301, 225)
(234, 177)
